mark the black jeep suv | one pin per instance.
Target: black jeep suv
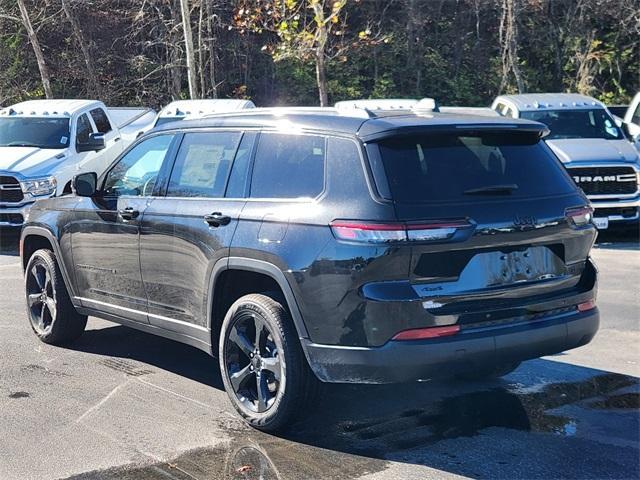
(306, 245)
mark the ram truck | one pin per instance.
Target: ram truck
(595, 151)
(45, 143)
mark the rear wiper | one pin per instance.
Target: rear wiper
(491, 189)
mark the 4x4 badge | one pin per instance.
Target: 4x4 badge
(524, 221)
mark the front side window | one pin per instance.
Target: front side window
(136, 172)
(563, 124)
(101, 120)
(203, 164)
(289, 166)
(459, 167)
(83, 130)
(34, 132)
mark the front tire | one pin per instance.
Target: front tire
(53, 317)
(263, 367)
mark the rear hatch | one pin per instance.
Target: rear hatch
(493, 219)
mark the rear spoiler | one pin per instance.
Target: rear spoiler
(534, 128)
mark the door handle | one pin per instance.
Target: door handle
(128, 213)
(117, 139)
(217, 219)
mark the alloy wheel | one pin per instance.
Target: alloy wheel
(254, 364)
(41, 298)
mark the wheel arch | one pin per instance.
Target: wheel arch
(34, 238)
(271, 275)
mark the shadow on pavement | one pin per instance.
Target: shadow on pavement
(545, 420)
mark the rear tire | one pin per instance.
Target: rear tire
(52, 316)
(264, 370)
(488, 373)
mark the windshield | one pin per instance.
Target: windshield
(596, 123)
(469, 167)
(163, 120)
(34, 132)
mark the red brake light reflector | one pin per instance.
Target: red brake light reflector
(429, 332)
(588, 305)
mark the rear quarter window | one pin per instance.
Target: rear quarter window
(289, 166)
(469, 167)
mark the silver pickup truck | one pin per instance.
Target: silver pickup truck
(45, 143)
(595, 151)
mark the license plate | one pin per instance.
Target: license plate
(601, 223)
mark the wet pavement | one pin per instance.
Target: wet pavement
(120, 404)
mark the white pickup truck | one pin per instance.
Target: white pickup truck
(44, 143)
(586, 138)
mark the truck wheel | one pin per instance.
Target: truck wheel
(53, 317)
(488, 373)
(263, 367)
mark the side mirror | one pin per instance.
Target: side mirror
(85, 184)
(94, 143)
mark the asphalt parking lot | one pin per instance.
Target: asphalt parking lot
(120, 404)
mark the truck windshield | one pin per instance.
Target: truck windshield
(34, 132)
(469, 167)
(596, 123)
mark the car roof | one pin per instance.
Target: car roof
(539, 101)
(364, 124)
(49, 107)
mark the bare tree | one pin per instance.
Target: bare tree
(95, 89)
(37, 50)
(188, 40)
(509, 44)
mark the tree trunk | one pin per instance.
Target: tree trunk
(321, 79)
(95, 88)
(509, 43)
(188, 41)
(37, 50)
(203, 87)
(212, 55)
(320, 54)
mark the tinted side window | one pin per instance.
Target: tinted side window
(203, 164)
(136, 172)
(238, 179)
(84, 129)
(288, 166)
(101, 120)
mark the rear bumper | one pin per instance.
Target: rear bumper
(403, 361)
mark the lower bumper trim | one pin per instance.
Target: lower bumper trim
(407, 361)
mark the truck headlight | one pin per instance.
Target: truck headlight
(39, 186)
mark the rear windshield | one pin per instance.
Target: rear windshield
(469, 167)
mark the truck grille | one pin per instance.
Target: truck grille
(10, 191)
(605, 180)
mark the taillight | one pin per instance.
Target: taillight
(579, 216)
(429, 332)
(371, 232)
